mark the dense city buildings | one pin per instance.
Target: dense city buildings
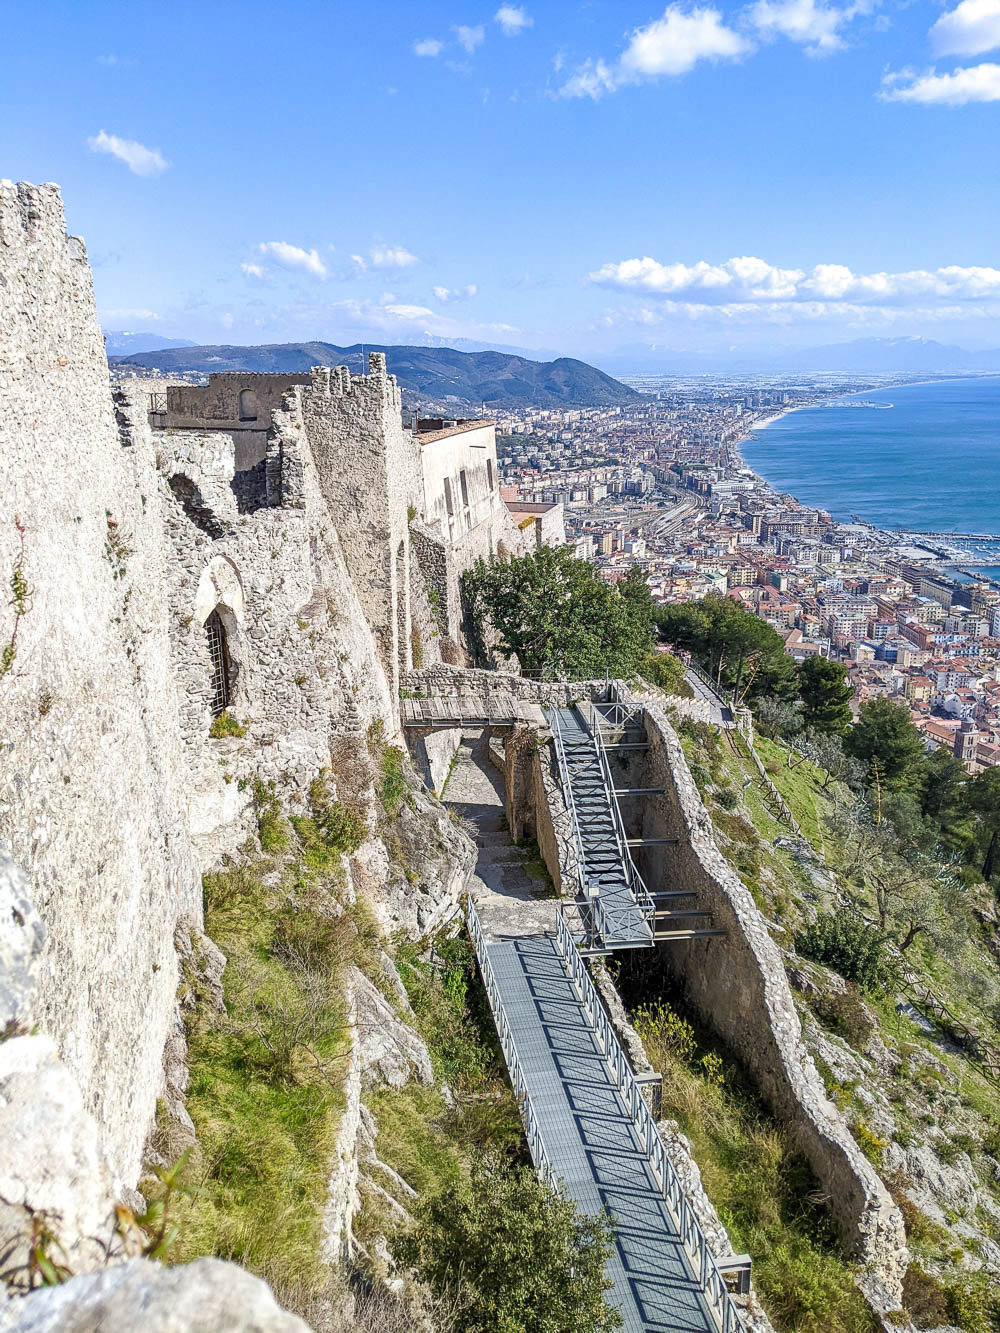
(663, 485)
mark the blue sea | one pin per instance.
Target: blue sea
(930, 463)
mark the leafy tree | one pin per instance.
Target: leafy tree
(945, 800)
(778, 717)
(517, 1257)
(665, 671)
(845, 942)
(984, 799)
(826, 750)
(915, 892)
(825, 695)
(732, 644)
(558, 617)
(888, 744)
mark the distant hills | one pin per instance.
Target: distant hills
(442, 375)
(118, 343)
(888, 356)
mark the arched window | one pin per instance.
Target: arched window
(248, 405)
(218, 653)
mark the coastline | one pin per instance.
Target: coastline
(737, 448)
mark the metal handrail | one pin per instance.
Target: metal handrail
(532, 1132)
(707, 680)
(720, 1301)
(636, 884)
(553, 719)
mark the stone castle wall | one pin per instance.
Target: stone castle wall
(113, 795)
(93, 800)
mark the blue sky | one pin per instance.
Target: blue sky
(582, 177)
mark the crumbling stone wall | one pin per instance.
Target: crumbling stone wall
(93, 800)
(113, 796)
(367, 470)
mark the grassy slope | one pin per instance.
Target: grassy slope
(923, 1090)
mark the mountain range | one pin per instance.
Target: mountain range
(861, 356)
(119, 343)
(441, 375)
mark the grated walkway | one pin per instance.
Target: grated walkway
(590, 1139)
(604, 856)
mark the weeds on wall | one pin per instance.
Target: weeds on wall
(226, 726)
(391, 786)
(20, 600)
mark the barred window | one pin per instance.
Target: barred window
(219, 656)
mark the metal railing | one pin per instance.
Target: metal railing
(622, 709)
(692, 1237)
(553, 718)
(709, 683)
(532, 1133)
(636, 883)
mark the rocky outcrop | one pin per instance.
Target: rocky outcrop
(56, 1190)
(207, 1296)
(391, 1052)
(21, 938)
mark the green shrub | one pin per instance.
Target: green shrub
(516, 1257)
(869, 1142)
(667, 673)
(924, 1298)
(728, 798)
(662, 1031)
(845, 1012)
(340, 825)
(845, 942)
(272, 826)
(226, 725)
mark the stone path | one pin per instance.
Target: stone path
(509, 900)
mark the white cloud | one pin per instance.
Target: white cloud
(670, 45)
(428, 46)
(293, 256)
(512, 19)
(784, 313)
(977, 83)
(469, 38)
(107, 60)
(253, 270)
(816, 26)
(390, 256)
(447, 295)
(139, 159)
(968, 30)
(226, 320)
(754, 283)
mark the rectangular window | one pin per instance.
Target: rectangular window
(489, 473)
(463, 477)
(449, 502)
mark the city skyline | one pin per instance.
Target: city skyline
(579, 179)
